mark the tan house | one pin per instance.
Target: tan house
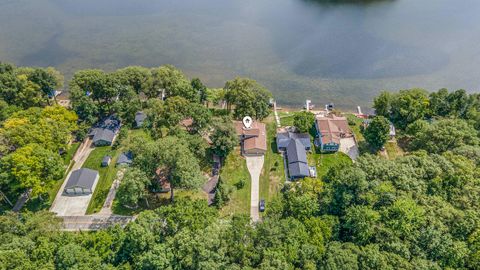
(253, 140)
(330, 129)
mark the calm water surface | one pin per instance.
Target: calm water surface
(322, 50)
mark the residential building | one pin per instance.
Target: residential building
(285, 135)
(81, 182)
(330, 130)
(125, 159)
(139, 119)
(253, 140)
(105, 131)
(297, 160)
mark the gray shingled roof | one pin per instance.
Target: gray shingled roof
(139, 118)
(125, 158)
(283, 139)
(103, 135)
(296, 152)
(298, 169)
(84, 178)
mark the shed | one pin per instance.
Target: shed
(139, 119)
(106, 161)
(125, 159)
(81, 182)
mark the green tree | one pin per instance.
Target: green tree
(134, 76)
(361, 224)
(224, 137)
(171, 80)
(201, 89)
(248, 98)
(382, 104)
(133, 187)
(408, 106)
(32, 166)
(377, 132)
(303, 121)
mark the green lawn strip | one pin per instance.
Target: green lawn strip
(393, 150)
(273, 175)
(70, 152)
(107, 175)
(355, 124)
(157, 200)
(324, 162)
(287, 119)
(234, 170)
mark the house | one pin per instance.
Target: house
(284, 136)
(105, 131)
(106, 161)
(81, 182)
(125, 159)
(330, 130)
(297, 160)
(139, 119)
(253, 140)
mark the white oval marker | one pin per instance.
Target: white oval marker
(247, 121)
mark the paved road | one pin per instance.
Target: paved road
(255, 165)
(73, 205)
(94, 222)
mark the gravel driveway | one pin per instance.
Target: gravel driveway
(255, 165)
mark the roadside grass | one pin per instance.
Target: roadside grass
(157, 200)
(393, 150)
(38, 204)
(324, 162)
(234, 170)
(107, 175)
(273, 172)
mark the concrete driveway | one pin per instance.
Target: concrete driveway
(255, 165)
(349, 147)
(74, 205)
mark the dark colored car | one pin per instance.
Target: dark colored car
(261, 205)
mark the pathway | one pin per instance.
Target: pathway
(94, 222)
(349, 147)
(277, 119)
(254, 165)
(107, 206)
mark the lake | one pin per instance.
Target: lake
(328, 51)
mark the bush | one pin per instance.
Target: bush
(240, 184)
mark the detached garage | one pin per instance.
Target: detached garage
(81, 182)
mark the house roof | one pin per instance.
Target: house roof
(296, 152)
(106, 159)
(139, 118)
(125, 158)
(105, 129)
(283, 139)
(254, 137)
(103, 135)
(298, 169)
(84, 178)
(332, 128)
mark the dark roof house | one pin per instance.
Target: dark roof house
(297, 160)
(284, 136)
(106, 161)
(139, 119)
(105, 131)
(125, 158)
(81, 182)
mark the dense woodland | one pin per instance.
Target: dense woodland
(419, 211)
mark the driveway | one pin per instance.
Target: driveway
(74, 205)
(349, 147)
(255, 165)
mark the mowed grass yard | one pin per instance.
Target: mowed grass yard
(233, 171)
(107, 175)
(324, 162)
(273, 172)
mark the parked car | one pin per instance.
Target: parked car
(261, 205)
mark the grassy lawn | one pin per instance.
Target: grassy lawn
(273, 174)
(234, 170)
(107, 175)
(355, 123)
(71, 152)
(393, 150)
(157, 200)
(324, 162)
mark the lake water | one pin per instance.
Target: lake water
(322, 50)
